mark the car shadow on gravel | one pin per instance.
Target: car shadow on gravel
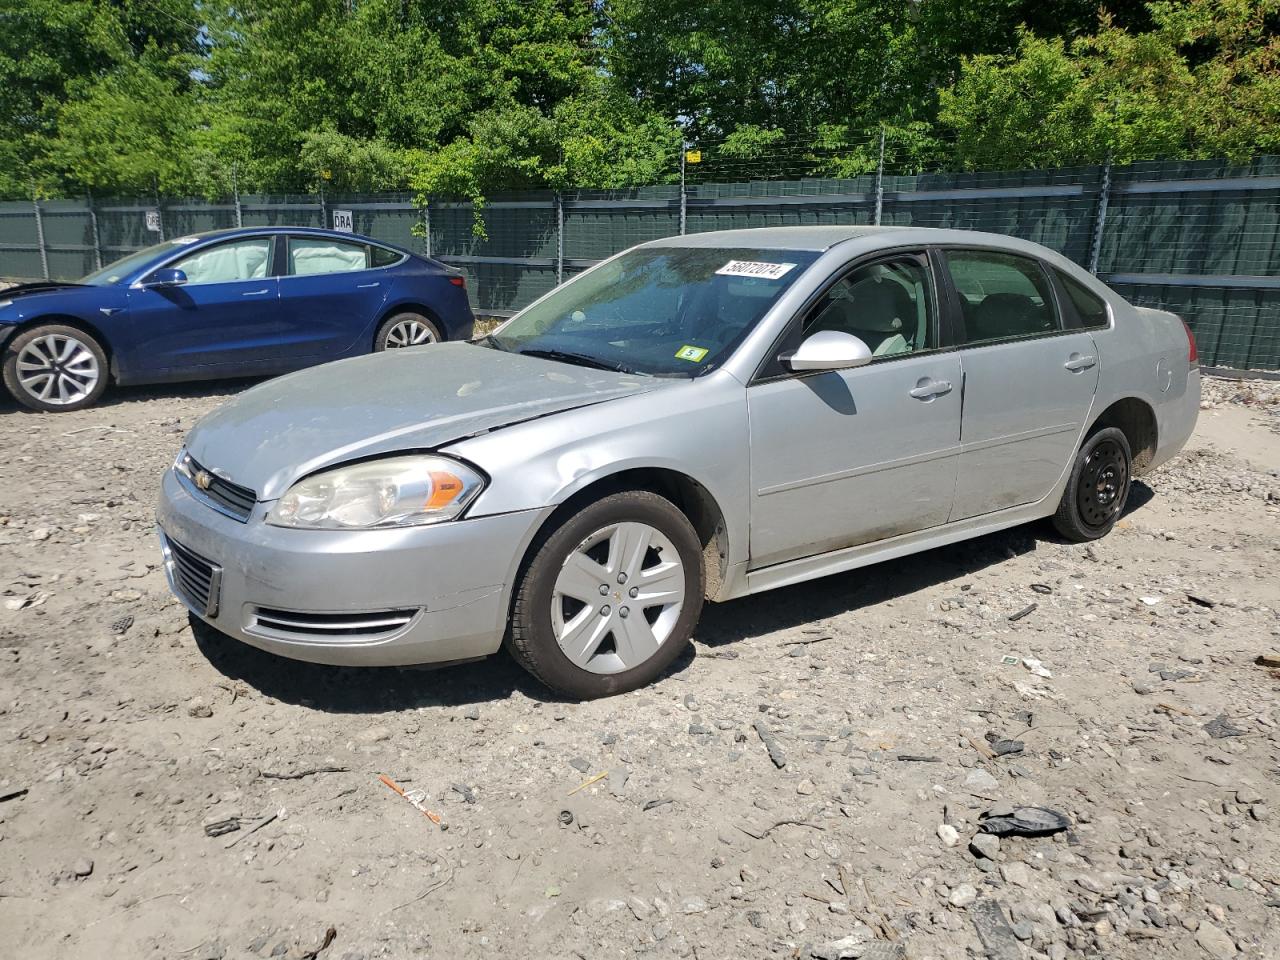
(365, 689)
(382, 689)
(723, 624)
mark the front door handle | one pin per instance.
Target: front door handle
(1078, 363)
(256, 293)
(927, 389)
(367, 286)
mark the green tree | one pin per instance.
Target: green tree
(54, 52)
(1202, 82)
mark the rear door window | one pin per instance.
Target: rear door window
(309, 256)
(1002, 296)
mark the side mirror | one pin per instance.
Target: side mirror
(828, 350)
(166, 277)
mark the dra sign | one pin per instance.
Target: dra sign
(153, 221)
(342, 221)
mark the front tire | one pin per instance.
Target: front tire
(55, 368)
(610, 598)
(406, 330)
(1098, 488)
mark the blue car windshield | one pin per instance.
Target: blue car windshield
(113, 273)
(661, 311)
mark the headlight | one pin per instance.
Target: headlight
(393, 492)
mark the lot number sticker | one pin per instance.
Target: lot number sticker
(755, 268)
(342, 221)
(694, 354)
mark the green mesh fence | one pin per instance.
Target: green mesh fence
(1199, 238)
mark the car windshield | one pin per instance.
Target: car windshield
(661, 311)
(115, 272)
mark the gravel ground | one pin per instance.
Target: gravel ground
(1114, 683)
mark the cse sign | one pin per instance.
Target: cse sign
(342, 221)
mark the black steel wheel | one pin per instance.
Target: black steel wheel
(1098, 487)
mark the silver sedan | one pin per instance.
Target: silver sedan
(701, 417)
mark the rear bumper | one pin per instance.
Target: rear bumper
(416, 595)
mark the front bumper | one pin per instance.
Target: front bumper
(396, 597)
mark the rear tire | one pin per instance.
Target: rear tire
(636, 562)
(1098, 488)
(55, 368)
(406, 329)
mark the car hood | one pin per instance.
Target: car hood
(416, 399)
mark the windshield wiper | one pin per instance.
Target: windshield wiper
(489, 340)
(580, 359)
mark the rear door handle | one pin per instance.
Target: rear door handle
(367, 286)
(256, 293)
(928, 389)
(1078, 363)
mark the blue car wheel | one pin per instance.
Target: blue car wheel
(55, 368)
(406, 330)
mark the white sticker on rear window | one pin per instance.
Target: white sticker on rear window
(755, 268)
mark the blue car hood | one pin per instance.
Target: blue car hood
(419, 398)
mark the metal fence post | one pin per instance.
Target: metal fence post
(880, 181)
(155, 189)
(559, 203)
(44, 254)
(1100, 219)
(426, 223)
(684, 149)
(93, 227)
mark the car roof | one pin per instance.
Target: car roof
(820, 238)
(234, 232)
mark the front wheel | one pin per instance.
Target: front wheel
(610, 598)
(406, 330)
(1098, 488)
(55, 368)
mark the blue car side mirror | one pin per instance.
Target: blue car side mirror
(166, 277)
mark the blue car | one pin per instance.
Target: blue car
(230, 303)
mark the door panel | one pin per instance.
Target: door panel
(1025, 404)
(329, 297)
(221, 316)
(848, 457)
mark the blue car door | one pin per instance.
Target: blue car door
(329, 295)
(223, 311)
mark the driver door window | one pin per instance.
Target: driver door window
(886, 305)
(228, 262)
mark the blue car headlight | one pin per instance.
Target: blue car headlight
(391, 492)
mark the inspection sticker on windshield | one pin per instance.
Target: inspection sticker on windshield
(755, 268)
(694, 354)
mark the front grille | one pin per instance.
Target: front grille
(230, 498)
(310, 627)
(194, 577)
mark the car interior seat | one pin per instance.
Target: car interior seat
(1002, 315)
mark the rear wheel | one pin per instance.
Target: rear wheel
(406, 330)
(610, 598)
(55, 368)
(1098, 488)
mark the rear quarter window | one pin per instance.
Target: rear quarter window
(1089, 307)
(384, 257)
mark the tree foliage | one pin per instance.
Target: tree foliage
(473, 96)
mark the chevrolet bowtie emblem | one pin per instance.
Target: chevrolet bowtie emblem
(203, 479)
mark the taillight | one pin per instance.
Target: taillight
(1193, 355)
(459, 281)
